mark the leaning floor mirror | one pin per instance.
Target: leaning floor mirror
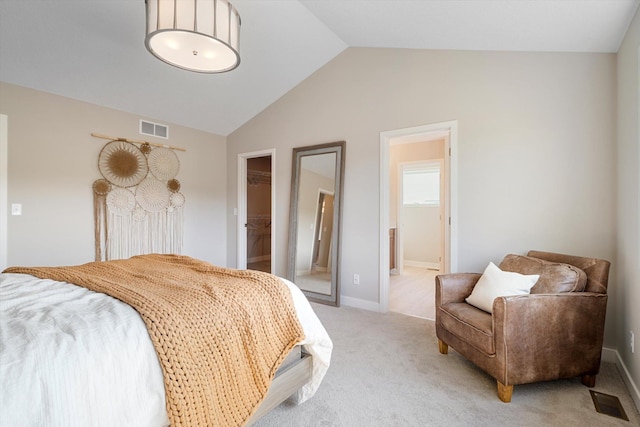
(314, 222)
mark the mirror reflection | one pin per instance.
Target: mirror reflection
(315, 218)
(315, 222)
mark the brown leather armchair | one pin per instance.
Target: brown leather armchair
(554, 332)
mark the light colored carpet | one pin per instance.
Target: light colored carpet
(386, 371)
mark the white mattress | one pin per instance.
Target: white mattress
(73, 357)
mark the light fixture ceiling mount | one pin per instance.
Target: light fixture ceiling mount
(195, 35)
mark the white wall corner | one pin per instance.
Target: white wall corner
(4, 201)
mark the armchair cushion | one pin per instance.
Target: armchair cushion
(555, 277)
(497, 283)
(469, 324)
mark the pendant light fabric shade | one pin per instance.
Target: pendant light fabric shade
(195, 35)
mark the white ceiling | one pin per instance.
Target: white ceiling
(93, 50)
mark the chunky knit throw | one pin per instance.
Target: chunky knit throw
(220, 334)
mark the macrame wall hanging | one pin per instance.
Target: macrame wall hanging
(138, 206)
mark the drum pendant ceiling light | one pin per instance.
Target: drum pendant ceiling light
(195, 35)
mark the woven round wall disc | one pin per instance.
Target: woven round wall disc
(122, 164)
(121, 201)
(139, 214)
(152, 195)
(177, 200)
(163, 163)
(101, 187)
(173, 185)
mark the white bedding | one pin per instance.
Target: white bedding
(73, 357)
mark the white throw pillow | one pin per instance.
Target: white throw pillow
(497, 283)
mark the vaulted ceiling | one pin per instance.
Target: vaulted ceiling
(93, 50)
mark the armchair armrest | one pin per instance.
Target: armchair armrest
(547, 336)
(454, 287)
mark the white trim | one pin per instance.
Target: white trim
(4, 191)
(384, 224)
(241, 235)
(611, 355)
(155, 127)
(399, 244)
(443, 129)
(359, 303)
(241, 219)
(272, 152)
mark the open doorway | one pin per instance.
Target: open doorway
(256, 211)
(416, 213)
(407, 149)
(419, 212)
(259, 213)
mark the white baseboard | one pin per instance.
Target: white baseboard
(422, 264)
(359, 303)
(612, 356)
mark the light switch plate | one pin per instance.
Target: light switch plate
(16, 209)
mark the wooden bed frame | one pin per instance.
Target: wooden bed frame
(294, 372)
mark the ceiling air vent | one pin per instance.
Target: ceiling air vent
(154, 129)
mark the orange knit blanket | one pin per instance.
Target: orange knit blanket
(220, 334)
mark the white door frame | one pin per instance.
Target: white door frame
(4, 203)
(449, 130)
(241, 260)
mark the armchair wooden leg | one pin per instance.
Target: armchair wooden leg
(443, 347)
(589, 380)
(504, 392)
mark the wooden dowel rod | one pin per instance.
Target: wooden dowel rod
(136, 141)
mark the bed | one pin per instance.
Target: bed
(71, 356)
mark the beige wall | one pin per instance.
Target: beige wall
(421, 246)
(627, 266)
(53, 163)
(536, 149)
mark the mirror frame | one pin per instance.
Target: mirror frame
(298, 154)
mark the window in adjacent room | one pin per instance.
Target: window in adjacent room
(421, 185)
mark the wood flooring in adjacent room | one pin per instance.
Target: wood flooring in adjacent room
(413, 293)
